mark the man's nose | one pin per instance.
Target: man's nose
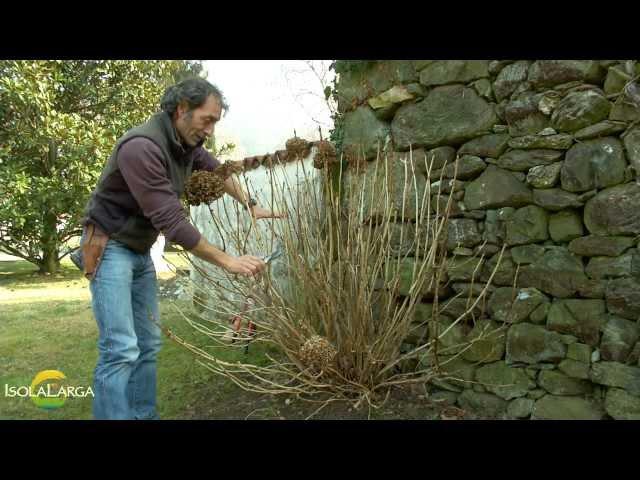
(209, 130)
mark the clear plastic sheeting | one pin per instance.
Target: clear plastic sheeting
(292, 187)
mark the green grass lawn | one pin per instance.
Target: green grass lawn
(46, 323)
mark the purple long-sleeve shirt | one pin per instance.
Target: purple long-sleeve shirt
(142, 178)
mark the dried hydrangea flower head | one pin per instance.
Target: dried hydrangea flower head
(298, 148)
(207, 187)
(325, 155)
(317, 353)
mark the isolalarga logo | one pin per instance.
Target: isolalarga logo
(48, 390)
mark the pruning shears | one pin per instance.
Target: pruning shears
(273, 255)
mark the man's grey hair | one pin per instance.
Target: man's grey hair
(193, 91)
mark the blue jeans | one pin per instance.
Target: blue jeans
(125, 304)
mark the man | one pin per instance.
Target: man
(136, 197)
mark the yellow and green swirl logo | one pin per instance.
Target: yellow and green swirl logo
(45, 389)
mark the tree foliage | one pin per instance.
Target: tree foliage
(60, 120)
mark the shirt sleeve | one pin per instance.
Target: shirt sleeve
(203, 160)
(141, 165)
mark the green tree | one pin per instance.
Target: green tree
(59, 121)
(216, 150)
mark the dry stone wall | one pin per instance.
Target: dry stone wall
(548, 155)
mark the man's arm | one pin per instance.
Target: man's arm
(244, 265)
(141, 166)
(204, 161)
(233, 188)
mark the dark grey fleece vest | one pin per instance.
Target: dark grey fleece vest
(131, 227)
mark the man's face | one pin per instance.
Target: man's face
(197, 125)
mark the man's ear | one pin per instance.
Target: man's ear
(182, 109)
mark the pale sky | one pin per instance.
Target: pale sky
(263, 111)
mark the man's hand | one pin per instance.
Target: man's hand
(259, 212)
(245, 265)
